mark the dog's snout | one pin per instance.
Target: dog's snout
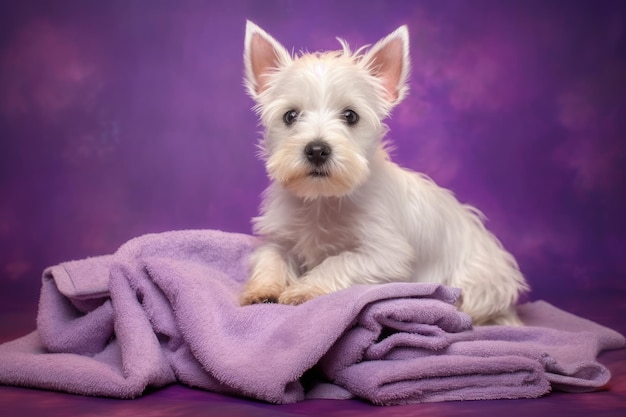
(317, 152)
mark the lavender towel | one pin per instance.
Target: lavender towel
(164, 309)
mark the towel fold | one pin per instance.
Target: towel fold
(164, 309)
(421, 358)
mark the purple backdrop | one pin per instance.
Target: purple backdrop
(119, 118)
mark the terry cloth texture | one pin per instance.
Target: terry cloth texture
(164, 309)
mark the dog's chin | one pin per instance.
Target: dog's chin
(318, 174)
(319, 184)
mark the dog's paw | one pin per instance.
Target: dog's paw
(298, 294)
(255, 294)
(249, 299)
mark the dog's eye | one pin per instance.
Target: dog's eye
(350, 116)
(290, 117)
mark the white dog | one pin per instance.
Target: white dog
(338, 212)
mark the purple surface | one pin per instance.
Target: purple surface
(120, 118)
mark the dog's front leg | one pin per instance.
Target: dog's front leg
(370, 265)
(270, 274)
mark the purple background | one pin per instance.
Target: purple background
(119, 118)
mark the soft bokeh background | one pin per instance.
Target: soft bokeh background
(119, 118)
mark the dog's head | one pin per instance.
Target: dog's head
(323, 112)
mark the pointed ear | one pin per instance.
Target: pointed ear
(263, 55)
(388, 60)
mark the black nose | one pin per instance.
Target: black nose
(317, 152)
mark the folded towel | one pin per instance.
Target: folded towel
(164, 309)
(397, 361)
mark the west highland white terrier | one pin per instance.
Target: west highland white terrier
(338, 212)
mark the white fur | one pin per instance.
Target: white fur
(367, 220)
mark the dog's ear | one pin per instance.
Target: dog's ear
(263, 55)
(388, 60)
